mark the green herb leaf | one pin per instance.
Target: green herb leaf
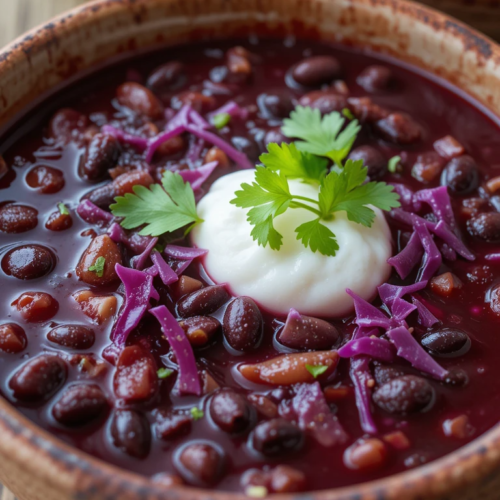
(196, 413)
(393, 163)
(63, 209)
(294, 164)
(322, 136)
(160, 209)
(221, 120)
(98, 266)
(317, 370)
(164, 373)
(348, 114)
(317, 237)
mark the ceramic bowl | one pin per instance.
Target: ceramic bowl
(37, 466)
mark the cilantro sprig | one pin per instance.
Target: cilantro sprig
(160, 209)
(98, 266)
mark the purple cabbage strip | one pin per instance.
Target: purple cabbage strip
(375, 348)
(401, 310)
(439, 201)
(198, 176)
(314, 415)
(362, 331)
(181, 268)
(409, 349)
(360, 374)
(139, 261)
(441, 230)
(405, 196)
(167, 274)
(184, 253)
(152, 270)
(138, 291)
(180, 118)
(232, 109)
(134, 241)
(409, 257)
(432, 256)
(93, 214)
(188, 381)
(197, 119)
(133, 140)
(425, 317)
(160, 139)
(235, 155)
(389, 293)
(493, 257)
(195, 148)
(368, 315)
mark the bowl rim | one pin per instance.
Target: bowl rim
(480, 457)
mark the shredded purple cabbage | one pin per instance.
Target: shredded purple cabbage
(373, 347)
(389, 293)
(361, 377)
(195, 148)
(425, 317)
(184, 253)
(401, 310)
(409, 349)
(368, 315)
(198, 176)
(432, 255)
(405, 261)
(134, 241)
(134, 140)
(439, 201)
(197, 119)
(160, 139)
(93, 214)
(139, 261)
(188, 381)
(232, 109)
(314, 415)
(167, 274)
(406, 196)
(138, 291)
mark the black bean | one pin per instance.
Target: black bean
(306, 333)
(385, 373)
(170, 425)
(200, 464)
(242, 324)
(101, 155)
(17, 218)
(375, 78)
(28, 262)
(168, 76)
(202, 302)
(247, 146)
(231, 411)
(275, 135)
(326, 101)
(131, 433)
(372, 159)
(485, 226)
(461, 175)
(72, 336)
(314, 71)
(406, 394)
(276, 437)
(275, 105)
(399, 128)
(446, 342)
(456, 377)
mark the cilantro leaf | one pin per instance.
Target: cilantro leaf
(316, 370)
(322, 136)
(63, 209)
(317, 237)
(98, 266)
(220, 120)
(196, 413)
(160, 210)
(294, 164)
(164, 373)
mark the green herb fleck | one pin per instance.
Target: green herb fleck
(164, 373)
(63, 208)
(221, 120)
(316, 371)
(196, 413)
(393, 164)
(348, 114)
(98, 266)
(160, 209)
(256, 491)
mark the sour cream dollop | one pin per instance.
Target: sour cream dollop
(294, 276)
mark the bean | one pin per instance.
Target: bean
(485, 227)
(428, 167)
(239, 65)
(286, 479)
(216, 154)
(67, 124)
(461, 175)
(209, 384)
(246, 146)
(12, 338)
(184, 286)
(198, 101)
(28, 262)
(58, 221)
(139, 99)
(366, 454)
(384, 373)
(125, 183)
(101, 155)
(36, 307)
(200, 463)
(456, 377)
(275, 105)
(4, 168)
(374, 78)
(446, 342)
(445, 284)
(166, 77)
(365, 110)
(167, 480)
(170, 425)
(72, 336)
(101, 246)
(289, 369)
(372, 160)
(39, 378)
(306, 332)
(80, 404)
(98, 308)
(403, 395)
(131, 433)
(103, 196)
(171, 146)
(17, 218)
(264, 405)
(326, 101)
(203, 302)
(399, 128)
(276, 437)
(200, 330)
(46, 180)
(231, 411)
(275, 135)
(242, 324)
(397, 440)
(316, 70)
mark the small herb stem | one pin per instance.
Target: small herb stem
(304, 198)
(298, 204)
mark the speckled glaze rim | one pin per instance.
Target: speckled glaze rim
(48, 55)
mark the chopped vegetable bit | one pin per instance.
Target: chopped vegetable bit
(164, 373)
(196, 413)
(322, 136)
(98, 266)
(316, 371)
(256, 491)
(393, 164)
(221, 120)
(160, 209)
(63, 208)
(348, 114)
